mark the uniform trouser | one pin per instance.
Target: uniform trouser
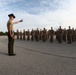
(17, 36)
(73, 38)
(24, 37)
(64, 38)
(37, 37)
(20, 37)
(10, 45)
(60, 38)
(28, 37)
(32, 37)
(57, 37)
(44, 38)
(40, 37)
(69, 38)
(51, 38)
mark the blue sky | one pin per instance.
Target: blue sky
(32, 6)
(38, 13)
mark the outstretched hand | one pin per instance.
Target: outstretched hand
(21, 20)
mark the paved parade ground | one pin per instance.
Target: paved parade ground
(38, 58)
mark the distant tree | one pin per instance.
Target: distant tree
(3, 33)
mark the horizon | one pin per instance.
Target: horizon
(39, 13)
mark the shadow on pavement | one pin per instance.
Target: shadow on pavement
(3, 53)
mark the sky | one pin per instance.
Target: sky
(38, 13)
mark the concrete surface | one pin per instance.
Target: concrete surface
(38, 58)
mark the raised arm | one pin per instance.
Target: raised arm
(17, 22)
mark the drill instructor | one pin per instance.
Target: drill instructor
(10, 24)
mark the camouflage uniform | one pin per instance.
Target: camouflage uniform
(51, 34)
(20, 35)
(28, 35)
(64, 35)
(73, 35)
(37, 35)
(24, 33)
(17, 34)
(40, 35)
(48, 34)
(60, 35)
(44, 35)
(32, 35)
(69, 35)
(57, 35)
